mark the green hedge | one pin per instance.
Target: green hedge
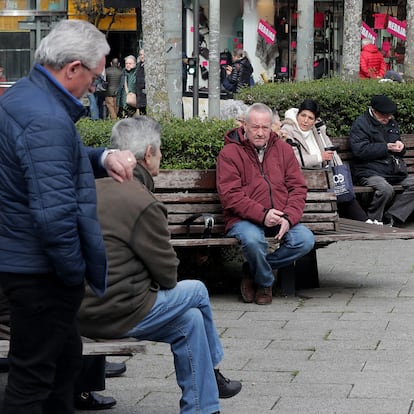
(195, 143)
(340, 101)
(185, 144)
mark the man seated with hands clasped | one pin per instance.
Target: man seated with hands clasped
(377, 152)
(262, 192)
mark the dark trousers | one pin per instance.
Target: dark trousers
(92, 376)
(352, 210)
(45, 345)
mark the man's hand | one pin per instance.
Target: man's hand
(274, 218)
(120, 165)
(284, 228)
(396, 146)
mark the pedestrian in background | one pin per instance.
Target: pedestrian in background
(239, 73)
(372, 63)
(141, 91)
(127, 84)
(113, 78)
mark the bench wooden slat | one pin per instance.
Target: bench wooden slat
(109, 348)
(189, 192)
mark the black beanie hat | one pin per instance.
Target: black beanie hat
(310, 105)
(383, 104)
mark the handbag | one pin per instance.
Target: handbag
(342, 181)
(131, 97)
(400, 167)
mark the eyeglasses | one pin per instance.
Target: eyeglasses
(95, 78)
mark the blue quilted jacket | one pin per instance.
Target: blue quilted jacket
(48, 219)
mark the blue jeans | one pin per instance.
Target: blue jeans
(296, 243)
(182, 317)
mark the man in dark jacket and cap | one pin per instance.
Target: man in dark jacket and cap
(378, 150)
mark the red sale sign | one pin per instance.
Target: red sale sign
(367, 32)
(266, 31)
(396, 27)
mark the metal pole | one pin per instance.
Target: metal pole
(196, 52)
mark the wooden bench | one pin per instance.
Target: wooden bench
(113, 347)
(345, 153)
(191, 193)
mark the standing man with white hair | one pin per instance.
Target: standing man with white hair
(51, 241)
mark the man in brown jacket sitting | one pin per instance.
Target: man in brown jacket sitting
(143, 299)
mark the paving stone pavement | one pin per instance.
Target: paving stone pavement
(345, 348)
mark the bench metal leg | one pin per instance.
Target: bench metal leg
(286, 280)
(301, 275)
(306, 271)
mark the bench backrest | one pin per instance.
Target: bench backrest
(346, 155)
(189, 192)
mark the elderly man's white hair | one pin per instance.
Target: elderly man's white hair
(72, 40)
(136, 134)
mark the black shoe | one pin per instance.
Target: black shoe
(392, 221)
(93, 401)
(114, 369)
(227, 388)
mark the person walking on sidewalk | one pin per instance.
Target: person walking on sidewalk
(262, 192)
(143, 299)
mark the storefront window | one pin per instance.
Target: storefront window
(39, 5)
(385, 24)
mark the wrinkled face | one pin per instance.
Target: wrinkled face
(306, 120)
(141, 55)
(382, 118)
(258, 128)
(130, 64)
(85, 78)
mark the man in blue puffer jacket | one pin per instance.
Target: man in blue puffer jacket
(50, 239)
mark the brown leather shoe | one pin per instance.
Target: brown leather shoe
(263, 296)
(247, 286)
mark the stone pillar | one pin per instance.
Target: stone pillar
(304, 49)
(352, 39)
